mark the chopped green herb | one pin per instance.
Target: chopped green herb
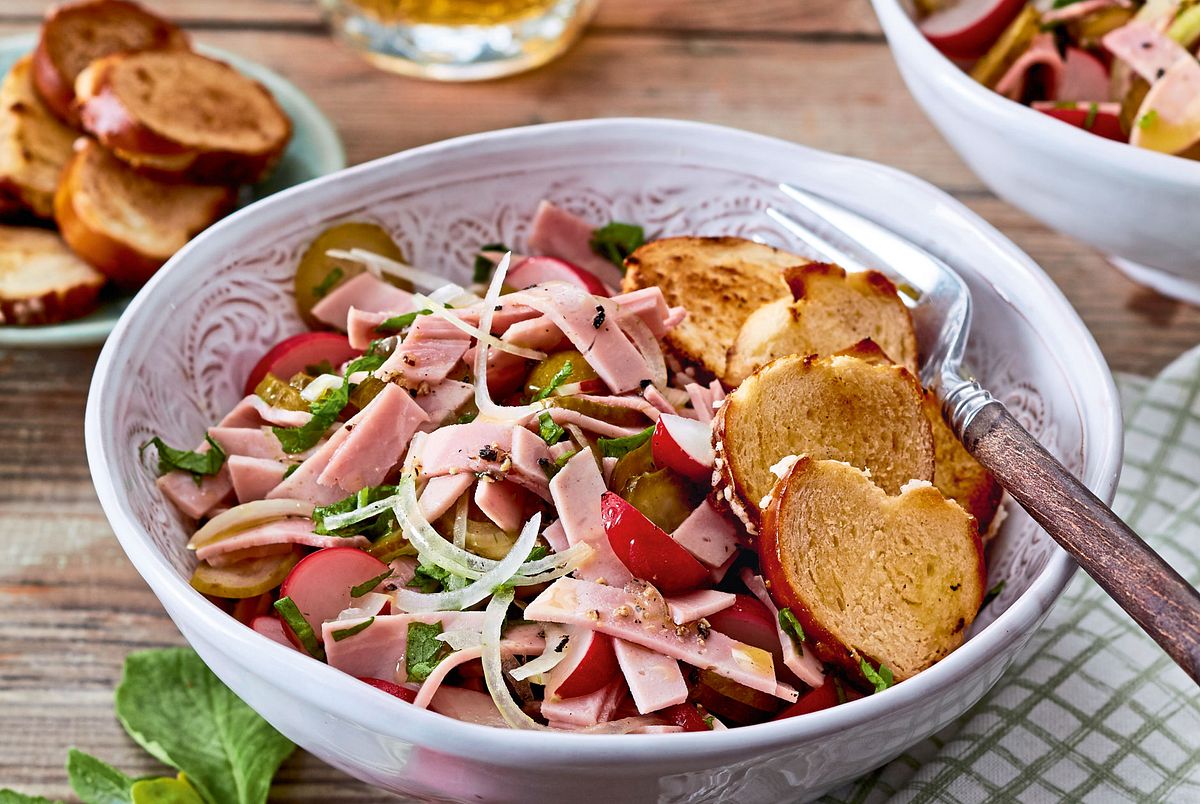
(558, 379)
(198, 464)
(429, 578)
(1148, 119)
(1064, 3)
(991, 595)
(1090, 120)
(617, 447)
(327, 284)
(790, 625)
(373, 527)
(424, 650)
(483, 265)
(366, 586)
(325, 410)
(399, 322)
(840, 690)
(548, 429)
(616, 241)
(709, 720)
(317, 369)
(346, 633)
(290, 613)
(537, 553)
(882, 679)
(291, 470)
(467, 417)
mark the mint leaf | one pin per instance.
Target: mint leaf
(399, 322)
(991, 595)
(97, 782)
(429, 578)
(424, 650)
(346, 633)
(616, 241)
(321, 290)
(165, 790)
(617, 447)
(1090, 120)
(366, 586)
(790, 625)
(882, 679)
(1148, 119)
(13, 797)
(197, 464)
(325, 410)
(484, 266)
(373, 528)
(548, 429)
(289, 612)
(558, 379)
(180, 712)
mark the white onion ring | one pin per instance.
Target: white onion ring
(247, 514)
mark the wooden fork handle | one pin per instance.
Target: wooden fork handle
(1155, 595)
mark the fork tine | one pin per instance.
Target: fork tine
(825, 249)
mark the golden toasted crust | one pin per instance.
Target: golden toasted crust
(76, 34)
(41, 281)
(839, 407)
(828, 312)
(180, 115)
(125, 224)
(34, 144)
(895, 580)
(720, 281)
(958, 475)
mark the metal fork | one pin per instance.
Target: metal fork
(1156, 596)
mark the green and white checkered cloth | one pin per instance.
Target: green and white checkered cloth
(1092, 710)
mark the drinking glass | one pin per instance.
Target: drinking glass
(459, 40)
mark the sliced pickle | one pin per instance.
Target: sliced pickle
(391, 546)
(365, 391)
(629, 466)
(1089, 30)
(318, 273)
(613, 414)
(485, 539)
(664, 497)
(277, 393)
(300, 380)
(543, 373)
(1008, 48)
(245, 578)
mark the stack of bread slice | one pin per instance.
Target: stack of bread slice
(118, 133)
(864, 506)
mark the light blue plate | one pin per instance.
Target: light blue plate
(315, 149)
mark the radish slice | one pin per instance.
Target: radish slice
(321, 583)
(967, 29)
(589, 663)
(536, 270)
(684, 445)
(1104, 121)
(647, 550)
(403, 693)
(291, 355)
(272, 628)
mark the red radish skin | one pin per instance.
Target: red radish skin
(536, 270)
(291, 355)
(684, 445)
(1104, 123)
(589, 664)
(403, 693)
(823, 697)
(647, 550)
(686, 716)
(320, 584)
(967, 29)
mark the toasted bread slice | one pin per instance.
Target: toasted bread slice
(76, 34)
(180, 115)
(34, 145)
(125, 224)
(840, 407)
(41, 281)
(720, 281)
(829, 311)
(893, 580)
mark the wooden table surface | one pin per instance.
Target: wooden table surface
(816, 72)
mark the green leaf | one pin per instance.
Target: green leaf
(373, 527)
(429, 578)
(165, 790)
(790, 625)
(991, 595)
(290, 470)
(558, 379)
(882, 679)
(366, 586)
(548, 429)
(197, 464)
(484, 266)
(1148, 119)
(325, 410)
(617, 447)
(180, 712)
(97, 782)
(346, 633)
(13, 797)
(289, 612)
(1090, 120)
(537, 553)
(328, 283)
(616, 241)
(399, 322)
(423, 650)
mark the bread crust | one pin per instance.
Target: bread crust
(34, 145)
(55, 81)
(41, 281)
(941, 581)
(105, 114)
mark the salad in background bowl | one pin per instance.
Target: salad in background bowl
(1037, 96)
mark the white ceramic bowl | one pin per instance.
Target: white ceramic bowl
(1140, 207)
(180, 354)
